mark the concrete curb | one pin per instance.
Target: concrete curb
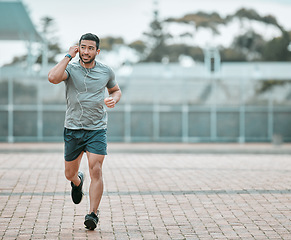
(157, 148)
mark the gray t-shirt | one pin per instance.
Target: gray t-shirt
(85, 92)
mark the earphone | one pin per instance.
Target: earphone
(78, 93)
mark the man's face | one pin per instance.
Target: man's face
(88, 51)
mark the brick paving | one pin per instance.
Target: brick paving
(150, 196)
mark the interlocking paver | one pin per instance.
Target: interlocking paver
(150, 196)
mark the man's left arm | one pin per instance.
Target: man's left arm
(114, 96)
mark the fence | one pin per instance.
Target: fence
(159, 110)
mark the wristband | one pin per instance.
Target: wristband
(69, 56)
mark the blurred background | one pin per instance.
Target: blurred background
(190, 71)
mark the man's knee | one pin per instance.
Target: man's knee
(70, 174)
(96, 172)
(95, 165)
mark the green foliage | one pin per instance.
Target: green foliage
(277, 49)
(49, 31)
(253, 15)
(246, 47)
(17, 59)
(157, 37)
(267, 85)
(200, 19)
(158, 53)
(247, 13)
(232, 55)
(54, 49)
(138, 45)
(108, 42)
(175, 50)
(250, 45)
(250, 41)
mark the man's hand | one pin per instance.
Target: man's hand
(73, 51)
(109, 102)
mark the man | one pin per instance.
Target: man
(86, 118)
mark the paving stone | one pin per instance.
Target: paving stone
(149, 196)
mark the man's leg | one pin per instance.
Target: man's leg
(72, 168)
(95, 162)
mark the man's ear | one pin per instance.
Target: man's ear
(98, 51)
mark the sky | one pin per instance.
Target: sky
(127, 18)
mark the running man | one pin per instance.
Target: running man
(86, 117)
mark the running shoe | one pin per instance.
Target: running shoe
(91, 220)
(77, 193)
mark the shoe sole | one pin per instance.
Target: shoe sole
(77, 202)
(90, 224)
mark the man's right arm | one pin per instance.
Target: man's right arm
(58, 74)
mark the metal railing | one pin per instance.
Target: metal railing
(32, 109)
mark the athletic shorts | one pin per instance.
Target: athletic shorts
(78, 141)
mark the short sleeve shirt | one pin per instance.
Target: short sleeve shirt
(85, 92)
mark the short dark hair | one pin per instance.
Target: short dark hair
(92, 37)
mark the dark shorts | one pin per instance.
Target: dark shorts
(78, 141)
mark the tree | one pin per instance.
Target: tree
(232, 55)
(250, 45)
(277, 49)
(176, 50)
(108, 42)
(156, 41)
(138, 45)
(48, 32)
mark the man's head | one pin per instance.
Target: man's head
(91, 37)
(88, 47)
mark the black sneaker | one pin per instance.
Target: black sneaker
(91, 220)
(77, 193)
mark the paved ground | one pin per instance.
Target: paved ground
(151, 195)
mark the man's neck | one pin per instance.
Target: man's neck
(87, 65)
